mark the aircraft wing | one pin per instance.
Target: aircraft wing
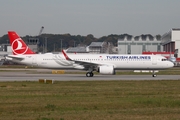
(86, 65)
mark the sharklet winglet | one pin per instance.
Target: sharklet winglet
(65, 55)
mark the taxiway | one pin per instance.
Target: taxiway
(26, 76)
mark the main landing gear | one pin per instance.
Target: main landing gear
(89, 74)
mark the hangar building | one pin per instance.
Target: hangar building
(171, 42)
(139, 44)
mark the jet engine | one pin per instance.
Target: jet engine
(106, 70)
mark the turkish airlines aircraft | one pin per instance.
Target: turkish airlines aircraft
(102, 63)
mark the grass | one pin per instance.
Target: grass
(90, 100)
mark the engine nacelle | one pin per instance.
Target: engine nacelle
(106, 70)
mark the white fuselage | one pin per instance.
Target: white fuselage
(118, 61)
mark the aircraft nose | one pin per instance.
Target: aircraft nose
(171, 64)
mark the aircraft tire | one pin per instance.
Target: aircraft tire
(154, 75)
(89, 74)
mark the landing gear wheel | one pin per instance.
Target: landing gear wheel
(154, 75)
(89, 74)
(92, 74)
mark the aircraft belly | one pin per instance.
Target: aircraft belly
(131, 65)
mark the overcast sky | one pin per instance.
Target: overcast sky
(83, 17)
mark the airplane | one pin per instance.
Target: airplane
(102, 63)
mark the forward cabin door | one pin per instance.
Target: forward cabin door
(154, 60)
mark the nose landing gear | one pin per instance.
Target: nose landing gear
(154, 74)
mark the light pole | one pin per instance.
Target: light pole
(45, 44)
(74, 43)
(61, 44)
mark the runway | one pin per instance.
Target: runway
(26, 76)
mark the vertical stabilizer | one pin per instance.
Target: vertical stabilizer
(18, 45)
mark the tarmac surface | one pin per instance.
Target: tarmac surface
(36, 74)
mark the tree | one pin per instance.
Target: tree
(4, 39)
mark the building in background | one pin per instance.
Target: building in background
(101, 47)
(171, 41)
(139, 44)
(98, 47)
(94, 47)
(77, 50)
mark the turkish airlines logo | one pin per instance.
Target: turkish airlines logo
(18, 47)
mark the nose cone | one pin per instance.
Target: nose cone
(170, 64)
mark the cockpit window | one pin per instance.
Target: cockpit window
(163, 59)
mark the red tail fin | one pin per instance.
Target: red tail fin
(17, 44)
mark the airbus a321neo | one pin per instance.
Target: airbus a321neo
(102, 63)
